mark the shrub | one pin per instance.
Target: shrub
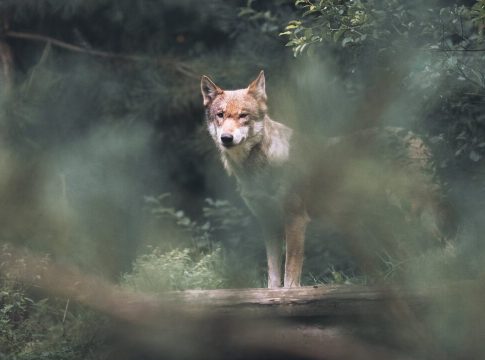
(178, 269)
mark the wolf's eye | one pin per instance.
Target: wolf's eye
(220, 114)
(243, 116)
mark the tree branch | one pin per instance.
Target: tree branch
(179, 67)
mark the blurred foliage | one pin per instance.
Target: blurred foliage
(85, 138)
(32, 327)
(70, 114)
(150, 81)
(440, 46)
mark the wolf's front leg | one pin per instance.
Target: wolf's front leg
(274, 249)
(295, 226)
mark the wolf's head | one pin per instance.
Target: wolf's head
(235, 118)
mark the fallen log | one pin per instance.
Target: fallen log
(310, 301)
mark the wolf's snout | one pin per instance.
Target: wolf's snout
(227, 139)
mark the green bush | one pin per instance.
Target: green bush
(222, 248)
(176, 270)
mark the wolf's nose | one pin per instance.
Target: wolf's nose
(227, 139)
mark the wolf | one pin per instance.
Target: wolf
(287, 179)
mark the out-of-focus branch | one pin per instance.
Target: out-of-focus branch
(6, 59)
(177, 65)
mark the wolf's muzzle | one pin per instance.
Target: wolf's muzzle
(227, 139)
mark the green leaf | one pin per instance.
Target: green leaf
(246, 11)
(312, 10)
(292, 42)
(338, 34)
(347, 40)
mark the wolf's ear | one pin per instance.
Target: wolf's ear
(209, 90)
(258, 87)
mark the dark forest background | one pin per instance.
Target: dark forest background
(106, 164)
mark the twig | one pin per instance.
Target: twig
(64, 318)
(459, 50)
(179, 67)
(71, 47)
(65, 311)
